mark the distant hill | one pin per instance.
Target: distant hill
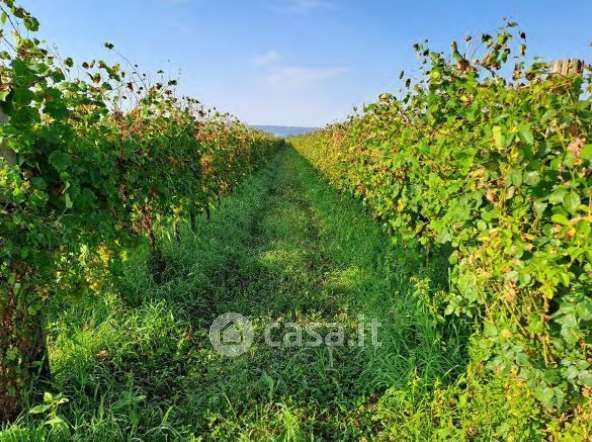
(285, 131)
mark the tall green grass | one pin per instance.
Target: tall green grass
(135, 362)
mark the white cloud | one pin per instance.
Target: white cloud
(302, 76)
(268, 58)
(275, 73)
(302, 6)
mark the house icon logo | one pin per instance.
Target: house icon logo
(231, 334)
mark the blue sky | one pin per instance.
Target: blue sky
(296, 62)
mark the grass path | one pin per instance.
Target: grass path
(137, 361)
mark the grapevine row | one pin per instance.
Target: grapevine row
(495, 162)
(80, 168)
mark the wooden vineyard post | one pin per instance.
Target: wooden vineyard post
(568, 66)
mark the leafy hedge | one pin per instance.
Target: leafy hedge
(496, 163)
(78, 172)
